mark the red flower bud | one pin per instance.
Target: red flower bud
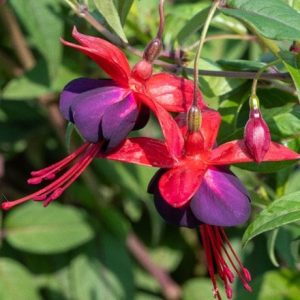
(257, 135)
(142, 70)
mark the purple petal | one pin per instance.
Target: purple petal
(143, 117)
(88, 109)
(75, 88)
(182, 216)
(221, 199)
(118, 120)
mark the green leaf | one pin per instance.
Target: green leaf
(104, 271)
(69, 131)
(45, 25)
(292, 184)
(167, 257)
(16, 282)
(216, 86)
(123, 7)
(275, 285)
(271, 247)
(54, 229)
(198, 289)
(36, 83)
(273, 19)
(292, 63)
(109, 11)
(282, 211)
(194, 24)
(240, 64)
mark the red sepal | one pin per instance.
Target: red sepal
(172, 134)
(110, 58)
(173, 93)
(142, 151)
(177, 186)
(236, 152)
(211, 121)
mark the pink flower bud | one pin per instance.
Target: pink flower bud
(257, 135)
(142, 70)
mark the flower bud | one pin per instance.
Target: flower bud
(142, 70)
(257, 135)
(194, 119)
(152, 50)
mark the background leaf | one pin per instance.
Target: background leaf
(45, 27)
(16, 282)
(282, 211)
(56, 229)
(273, 19)
(109, 11)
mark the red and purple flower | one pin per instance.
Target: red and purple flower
(106, 110)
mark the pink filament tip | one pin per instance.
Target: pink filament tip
(50, 176)
(247, 274)
(229, 292)
(229, 275)
(57, 193)
(39, 198)
(247, 287)
(6, 205)
(36, 180)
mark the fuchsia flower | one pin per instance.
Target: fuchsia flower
(106, 110)
(193, 188)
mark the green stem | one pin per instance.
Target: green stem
(200, 46)
(259, 73)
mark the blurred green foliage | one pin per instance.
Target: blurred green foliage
(77, 249)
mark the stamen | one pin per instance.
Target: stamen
(57, 187)
(48, 173)
(214, 240)
(209, 261)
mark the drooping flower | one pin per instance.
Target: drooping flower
(257, 134)
(106, 110)
(194, 188)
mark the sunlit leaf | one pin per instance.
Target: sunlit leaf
(282, 211)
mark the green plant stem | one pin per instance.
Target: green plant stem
(200, 46)
(259, 73)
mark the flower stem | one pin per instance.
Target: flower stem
(161, 20)
(200, 46)
(259, 73)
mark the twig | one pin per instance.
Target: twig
(170, 289)
(9, 65)
(19, 43)
(230, 74)
(54, 115)
(83, 12)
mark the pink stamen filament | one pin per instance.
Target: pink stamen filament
(245, 271)
(222, 266)
(209, 259)
(240, 275)
(58, 166)
(57, 187)
(214, 240)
